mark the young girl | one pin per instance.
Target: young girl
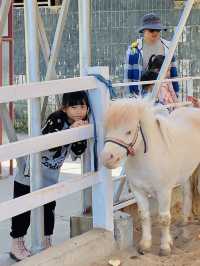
(166, 94)
(74, 113)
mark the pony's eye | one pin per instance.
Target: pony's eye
(128, 132)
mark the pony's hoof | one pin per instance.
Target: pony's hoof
(165, 252)
(144, 247)
(143, 251)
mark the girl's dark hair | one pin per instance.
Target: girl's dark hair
(147, 76)
(155, 62)
(75, 98)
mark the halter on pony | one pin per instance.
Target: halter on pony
(129, 146)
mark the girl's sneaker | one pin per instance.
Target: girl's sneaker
(19, 250)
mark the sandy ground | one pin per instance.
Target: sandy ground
(184, 253)
(186, 248)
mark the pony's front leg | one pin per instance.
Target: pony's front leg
(143, 206)
(164, 202)
(187, 202)
(187, 208)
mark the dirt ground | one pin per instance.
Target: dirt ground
(185, 251)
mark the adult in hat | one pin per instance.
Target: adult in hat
(140, 51)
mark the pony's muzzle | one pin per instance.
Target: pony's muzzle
(109, 160)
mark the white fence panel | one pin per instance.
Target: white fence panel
(44, 142)
(46, 88)
(40, 197)
(100, 181)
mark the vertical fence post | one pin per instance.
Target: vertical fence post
(84, 9)
(4, 9)
(102, 193)
(84, 35)
(11, 68)
(32, 68)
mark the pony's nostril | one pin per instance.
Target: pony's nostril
(111, 156)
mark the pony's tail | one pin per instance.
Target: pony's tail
(195, 187)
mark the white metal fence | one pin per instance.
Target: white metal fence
(100, 181)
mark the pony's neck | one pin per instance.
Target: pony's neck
(148, 122)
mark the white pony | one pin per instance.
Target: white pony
(160, 152)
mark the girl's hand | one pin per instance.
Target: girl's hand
(194, 101)
(79, 123)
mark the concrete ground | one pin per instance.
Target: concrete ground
(63, 214)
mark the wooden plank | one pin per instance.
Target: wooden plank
(44, 142)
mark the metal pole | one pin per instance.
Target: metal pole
(84, 35)
(4, 9)
(8, 127)
(119, 189)
(173, 45)
(46, 49)
(190, 86)
(11, 67)
(7, 123)
(85, 61)
(32, 69)
(56, 47)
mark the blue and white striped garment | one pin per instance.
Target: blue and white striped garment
(134, 65)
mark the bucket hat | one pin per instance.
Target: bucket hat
(152, 22)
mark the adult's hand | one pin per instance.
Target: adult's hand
(194, 101)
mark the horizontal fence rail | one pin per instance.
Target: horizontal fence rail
(116, 85)
(44, 142)
(40, 197)
(46, 88)
(73, 184)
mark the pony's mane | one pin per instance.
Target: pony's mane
(123, 111)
